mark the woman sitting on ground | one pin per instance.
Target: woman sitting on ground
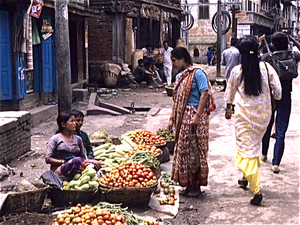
(65, 151)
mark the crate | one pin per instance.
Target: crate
(25, 201)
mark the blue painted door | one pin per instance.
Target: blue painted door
(47, 61)
(6, 78)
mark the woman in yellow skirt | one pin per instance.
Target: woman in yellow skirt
(249, 86)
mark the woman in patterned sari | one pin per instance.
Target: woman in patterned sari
(249, 85)
(190, 118)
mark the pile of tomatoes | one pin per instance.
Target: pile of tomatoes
(145, 137)
(89, 215)
(152, 149)
(129, 174)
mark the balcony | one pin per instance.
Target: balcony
(253, 18)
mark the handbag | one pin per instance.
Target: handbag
(273, 104)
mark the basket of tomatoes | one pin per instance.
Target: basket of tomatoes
(130, 184)
(89, 215)
(145, 137)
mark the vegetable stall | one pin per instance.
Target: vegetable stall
(129, 176)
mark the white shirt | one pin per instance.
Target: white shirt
(167, 55)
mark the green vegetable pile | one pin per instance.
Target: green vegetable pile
(88, 179)
(145, 158)
(166, 134)
(166, 177)
(116, 208)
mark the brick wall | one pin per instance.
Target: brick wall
(33, 100)
(14, 134)
(100, 38)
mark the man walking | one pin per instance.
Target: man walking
(231, 57)
(283, 107)
(166, 52)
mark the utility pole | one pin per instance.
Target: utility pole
(63, 69)
(219, 39)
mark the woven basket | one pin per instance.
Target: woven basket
(169, 90)
(27, 219)
(170, 145)
(157, 172)
(128, 196)
(110, 79)
(71, 197)
(165, 156)
(25, 201)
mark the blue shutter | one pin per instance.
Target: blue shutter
(20, 64)
(47, 62)
(6, 78)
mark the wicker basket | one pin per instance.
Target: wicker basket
(170, 145)
(27, 219)
(169, 90)
(25, 201)
(128, 196)
(157, 172)
(110, 79)
(165, 156)
(71, 197)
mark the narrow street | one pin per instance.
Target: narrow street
(223, 201)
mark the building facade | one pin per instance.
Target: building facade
(28, 52)
(254, 17)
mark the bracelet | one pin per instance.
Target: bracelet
(228, 109)
(197, 114)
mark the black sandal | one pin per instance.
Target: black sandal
(184, 191)
(243, 183)
(194, 193)
(256, 200)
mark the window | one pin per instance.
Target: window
(203, 10)
(249, 5)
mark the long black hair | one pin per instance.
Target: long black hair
(248, 47)
(182, 53)
(63, 117)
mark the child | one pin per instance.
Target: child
(79, 117)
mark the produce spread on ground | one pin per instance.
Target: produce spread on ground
(134, 166)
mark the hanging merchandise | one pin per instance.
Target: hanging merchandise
(35, 8)
(35, 34)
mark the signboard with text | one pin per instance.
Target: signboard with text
(35, 8)
(243, 30)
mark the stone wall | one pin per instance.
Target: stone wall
(14, 134)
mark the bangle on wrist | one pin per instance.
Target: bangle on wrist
(197, 114)
(229, 108)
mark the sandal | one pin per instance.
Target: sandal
(184, 191)
(194, 193)
(243, 183)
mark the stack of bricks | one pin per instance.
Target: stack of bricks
(15, 137)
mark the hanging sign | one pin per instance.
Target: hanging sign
(35, 8)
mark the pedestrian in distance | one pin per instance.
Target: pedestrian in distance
(209, 55)
(190, 121)
(141, 74)
(65, 151)
(283, 106)
(249, 85)
(149, 58)
(231, 57)
(79, 118)
(167, 63)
